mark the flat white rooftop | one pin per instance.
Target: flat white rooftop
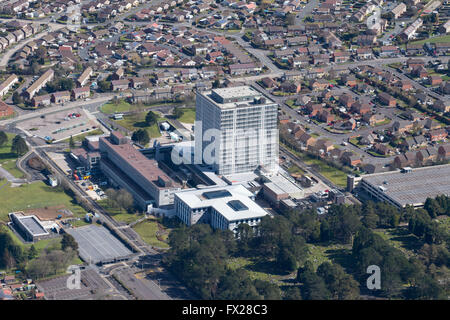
(236, 92)
(233, 202)
(236, 97)
(285, 185)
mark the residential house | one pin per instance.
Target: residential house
(60, 97)
(80, 93)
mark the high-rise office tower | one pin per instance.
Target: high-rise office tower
(246, 130)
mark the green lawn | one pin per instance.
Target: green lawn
(8, 159)
(334, 253)
(122, 106)
(336, 176)
(188, 115)
(295, 170)
(445, 38)
(255, 270)
(118, 214)
(80, 137)
(401, 239)
(32, 196)
(355, 142)
(148, 231)
(136, 121)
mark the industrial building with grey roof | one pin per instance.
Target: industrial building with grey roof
(408, 187)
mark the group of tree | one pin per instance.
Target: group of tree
(120, 199)
(51, 261)
(11, 254)
(198, 255)
(330, 281)
(141, 136)
(397, 271)
(432, 232)
(277, 240)
(60, 85)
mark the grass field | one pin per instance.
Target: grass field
(445, 38)
(80, 137)
(148, 230)
(34, 195)
(188, 115)
(338, 177)
(295, 170)
(401, 239)
(334, 253)
(122, 106)
(255, 270)
(118, 214)
(8, 159)
(136, 121)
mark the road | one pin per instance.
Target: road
(102, 98)
(306, 11)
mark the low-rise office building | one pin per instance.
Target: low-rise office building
(222, 207)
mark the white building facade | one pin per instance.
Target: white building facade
(222, 207)
(246, 126)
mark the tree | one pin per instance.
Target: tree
(426, 288)
(71, 143)
(3, 138)
(216, 83)
(290, 19)
(245, 236)
(17, 98)
(177, 112)
(292, 293)
(68, 241)
(344, 222)
(286, 261)
(151, 118)
(125, 200)
(19, 146)
(341, 285)
(32, 252)
(141, 136)
(433, 208)
(104, 86)
(268, 291)
(314, 288)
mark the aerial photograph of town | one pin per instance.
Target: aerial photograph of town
(236, 150)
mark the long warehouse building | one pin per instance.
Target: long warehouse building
(408, 186)
(130, 169)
